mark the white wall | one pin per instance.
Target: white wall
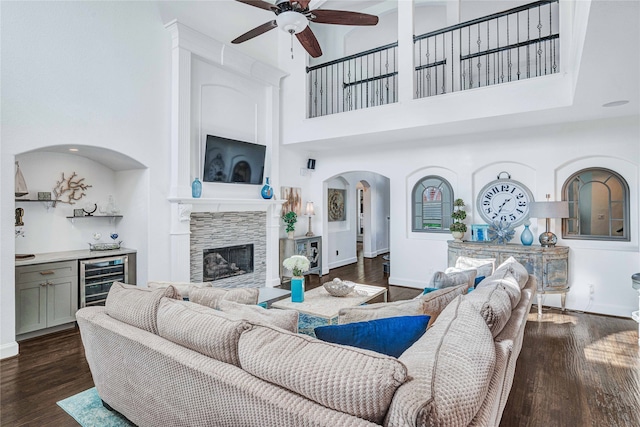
(95, 74)
(540, 158)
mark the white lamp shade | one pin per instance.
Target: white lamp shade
(549, 210)
(310, 210)
(292, 22)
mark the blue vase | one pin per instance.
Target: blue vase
(297, 289)
(196, 189)
(267, 190)
(527, 236)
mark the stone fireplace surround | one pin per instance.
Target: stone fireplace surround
(219, 229)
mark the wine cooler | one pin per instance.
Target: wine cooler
(98, 274)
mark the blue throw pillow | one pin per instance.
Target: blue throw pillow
(390, 336)
(427, 290)
(478, 280)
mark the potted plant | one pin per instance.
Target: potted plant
(458, 228)
(290, 219)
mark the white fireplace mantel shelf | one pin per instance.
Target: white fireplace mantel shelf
(227, 205)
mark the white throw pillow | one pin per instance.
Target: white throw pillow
(484, 266)
(516, 269)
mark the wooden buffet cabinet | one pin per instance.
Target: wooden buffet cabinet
(550, 266)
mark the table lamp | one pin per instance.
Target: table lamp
(548, 210)
(309, 212)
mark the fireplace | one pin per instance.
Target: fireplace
(228, 261)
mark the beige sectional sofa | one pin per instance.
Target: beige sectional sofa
(162, 361)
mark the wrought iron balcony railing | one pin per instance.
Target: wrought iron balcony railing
(516, 44)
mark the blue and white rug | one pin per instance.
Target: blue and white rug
(86, 408)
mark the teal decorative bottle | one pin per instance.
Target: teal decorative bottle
(267, 190)
(297, 289)
(526, 237)
(196, 189)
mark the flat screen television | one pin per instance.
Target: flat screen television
(232, 161)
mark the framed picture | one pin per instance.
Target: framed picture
(336, 205)
(479, 232)
(293, 200)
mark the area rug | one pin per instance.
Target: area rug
(86, 408)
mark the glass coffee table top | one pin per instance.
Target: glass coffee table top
(318, 302)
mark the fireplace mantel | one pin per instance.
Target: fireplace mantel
(227, 205)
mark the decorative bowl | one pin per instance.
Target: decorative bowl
(339, 288)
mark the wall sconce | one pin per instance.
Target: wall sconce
(548, 210)
(309, 212)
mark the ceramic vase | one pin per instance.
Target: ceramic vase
(196, 189)
(526, 237)
(267, 190)
(457, 235)
(290, 235)
(297, 289)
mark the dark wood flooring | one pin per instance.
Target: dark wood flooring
(575, 369)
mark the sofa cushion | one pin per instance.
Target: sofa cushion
(285, 319)
(434, 303)
(390, 336)
(440, 279)
(346, 379)
(202, 329)
(137, 306)
(211, 297)
(484, 266)
(430, 304)
(516, 269)
(182, 287)
(450, 366)
(505, 279)
(494, 305)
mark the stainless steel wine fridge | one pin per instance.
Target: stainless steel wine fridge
(98, 274)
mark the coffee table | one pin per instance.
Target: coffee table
(320, 308)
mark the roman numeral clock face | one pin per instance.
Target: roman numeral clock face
(504, 200)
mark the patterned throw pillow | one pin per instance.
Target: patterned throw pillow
(441, 279)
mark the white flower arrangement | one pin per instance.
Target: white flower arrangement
(298, 264)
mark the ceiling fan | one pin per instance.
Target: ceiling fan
(293, 16)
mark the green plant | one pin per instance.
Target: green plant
(458, 215)
(290, 219)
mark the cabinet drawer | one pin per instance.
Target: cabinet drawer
(56, 270)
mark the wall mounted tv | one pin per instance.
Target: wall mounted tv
(233, 161)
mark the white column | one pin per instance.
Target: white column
(405, 51)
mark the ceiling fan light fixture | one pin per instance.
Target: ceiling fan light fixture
(292, 22)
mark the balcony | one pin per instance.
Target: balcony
(513, 45)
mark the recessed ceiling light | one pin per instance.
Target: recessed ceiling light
(73, 149)
(615, 103)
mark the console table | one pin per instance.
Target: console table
(550, 266)
(311, 247)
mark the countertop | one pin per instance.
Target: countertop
(72, 255)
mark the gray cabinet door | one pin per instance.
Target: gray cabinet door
(31, 306)
(62, 301)
(554, 277)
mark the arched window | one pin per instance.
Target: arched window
(432, 200)
(598, 206)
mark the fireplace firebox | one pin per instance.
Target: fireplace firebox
(228, 261)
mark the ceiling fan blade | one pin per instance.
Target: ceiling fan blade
(309, 42)
(259, 3)
(255, 32)
(342, 17)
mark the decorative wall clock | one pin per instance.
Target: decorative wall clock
(504, 200)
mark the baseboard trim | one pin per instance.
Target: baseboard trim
(9, 350)
(407, 283)
(343, 262)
